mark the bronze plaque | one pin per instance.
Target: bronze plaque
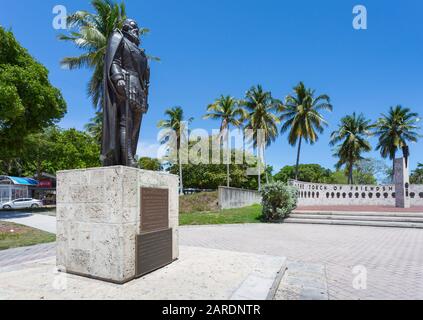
(154, 209)
(154, 250)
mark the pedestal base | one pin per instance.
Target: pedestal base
(104, 217)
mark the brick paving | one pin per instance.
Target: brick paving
(392, 257)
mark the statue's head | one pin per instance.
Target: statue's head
(131, 30)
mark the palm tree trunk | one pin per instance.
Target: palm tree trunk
(228, 160)
(298, 158)
(265, 167)
(181, 184)
(259, 172)
(393, 167)
(350, 174)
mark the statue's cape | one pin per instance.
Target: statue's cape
(110, 148)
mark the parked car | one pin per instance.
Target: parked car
(22, 203)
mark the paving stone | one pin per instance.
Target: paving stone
(392, 256)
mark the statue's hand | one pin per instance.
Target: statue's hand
(121, 87)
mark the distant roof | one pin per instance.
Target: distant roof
(19, 181)
(45, 175)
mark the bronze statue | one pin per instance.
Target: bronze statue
(126, 83)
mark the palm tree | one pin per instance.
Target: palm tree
(175, 122)
(90, 33)
(352, 136)
(94, 127)
(261, 119)
(301, 116)
(227, 110)
(395, 130)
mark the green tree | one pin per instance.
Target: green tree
(306, 173)
(38, 155)
(417, 175)
(351, 141)
(28, 102)
(395, 130)
(338, 177)
(370, 169)
(95, 127)
(58, 149)
(210, 176)
(176, 124)
(301, 116)
(227, 111)
(151, 164)
(261, 110)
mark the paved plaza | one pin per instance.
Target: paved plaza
(199, 274)
(391, 257)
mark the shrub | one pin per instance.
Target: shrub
(278, 201)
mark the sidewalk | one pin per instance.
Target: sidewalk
(200, 273)
(37, 221)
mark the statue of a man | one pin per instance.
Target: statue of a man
(126, 82)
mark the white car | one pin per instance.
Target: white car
(23, 203)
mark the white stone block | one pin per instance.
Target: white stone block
(99, 218)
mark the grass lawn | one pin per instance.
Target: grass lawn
(232, 216)
(14, 235)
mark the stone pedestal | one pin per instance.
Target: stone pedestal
(402, 184)
(116, 223)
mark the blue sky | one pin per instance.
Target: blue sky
(214, 47)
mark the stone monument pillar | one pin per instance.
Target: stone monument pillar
(116, 223)
(402, 184)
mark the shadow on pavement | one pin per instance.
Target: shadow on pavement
(5, 215)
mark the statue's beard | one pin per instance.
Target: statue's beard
(132, 37)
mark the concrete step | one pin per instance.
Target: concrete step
(357, 217)
(356, 223)
(352, 213)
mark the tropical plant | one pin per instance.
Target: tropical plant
(28, 101)
(395, 130)
(306, 172)
(177, 125)
(227, 110)
(278, 200)
(209, 176)
(371, 169)
(261, 109)
(151, 164)
(417, 175)
(57, 149)
(351, 140)
(94, 127)
(301, 116)
(90, 33)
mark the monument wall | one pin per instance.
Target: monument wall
(315, 194)
(231, 198)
